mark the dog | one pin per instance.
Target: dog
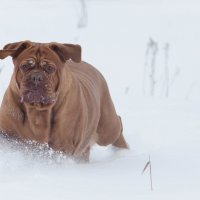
(55, 98)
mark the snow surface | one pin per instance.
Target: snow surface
(115, 41)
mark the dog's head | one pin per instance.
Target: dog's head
(38, 67)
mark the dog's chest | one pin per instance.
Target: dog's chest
(39, 123)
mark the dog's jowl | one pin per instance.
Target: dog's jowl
(55, 98)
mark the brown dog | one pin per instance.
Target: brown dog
(55, 98)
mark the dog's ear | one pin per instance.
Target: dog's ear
(67, 51)
(14, 49)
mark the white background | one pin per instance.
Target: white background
(114, 40)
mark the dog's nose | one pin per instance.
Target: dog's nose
(36, 78)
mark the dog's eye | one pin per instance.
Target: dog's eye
(26, 67)
(50, 69)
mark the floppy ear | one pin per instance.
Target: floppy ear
(13, 49)
(67, 51)
(6, 53)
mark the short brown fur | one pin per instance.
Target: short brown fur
(78, 110)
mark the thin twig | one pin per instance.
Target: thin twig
(166, 51)
(145, 167)
(153, 67)
(150, 172)
(82, 23)
(146, 66)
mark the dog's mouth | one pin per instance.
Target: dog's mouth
(37, 97)
(38, 90)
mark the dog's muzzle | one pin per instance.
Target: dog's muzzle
(36, 90)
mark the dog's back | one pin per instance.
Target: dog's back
(109, 128)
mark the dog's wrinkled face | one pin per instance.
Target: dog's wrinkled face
(38, 68)
(38, 85)
(37, 75)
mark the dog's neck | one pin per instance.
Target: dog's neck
(39, 122)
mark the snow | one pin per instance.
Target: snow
(115, 40)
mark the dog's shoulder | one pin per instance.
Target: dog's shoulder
(85, 69)
(81, 66)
